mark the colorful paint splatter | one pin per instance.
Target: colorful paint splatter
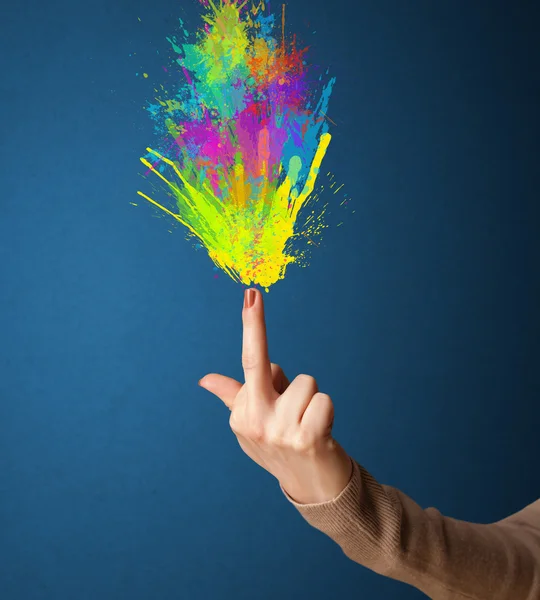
(242, 138)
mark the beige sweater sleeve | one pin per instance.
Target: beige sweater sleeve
(386, 531)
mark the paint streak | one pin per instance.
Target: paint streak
(242, 139)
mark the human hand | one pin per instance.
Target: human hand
(285, 428)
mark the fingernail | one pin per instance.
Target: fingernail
(249, 298)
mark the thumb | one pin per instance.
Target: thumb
(225, 388)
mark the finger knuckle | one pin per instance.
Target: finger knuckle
(249, 362)
(302, 442)
(324, 403)
(306, 379)
(323, 398)
(256, 432)
(275, 439)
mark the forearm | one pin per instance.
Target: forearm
(386, 531)
(449, 559)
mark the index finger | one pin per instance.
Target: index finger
(255, 359)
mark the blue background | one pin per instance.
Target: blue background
(119, 477)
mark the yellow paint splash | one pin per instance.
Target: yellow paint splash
(250, 249)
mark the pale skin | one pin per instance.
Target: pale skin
(286, 428)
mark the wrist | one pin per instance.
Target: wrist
(322, 479)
